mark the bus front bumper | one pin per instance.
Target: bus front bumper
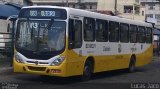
(39, 69)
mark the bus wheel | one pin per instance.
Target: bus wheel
(132, 65)
(87, 71)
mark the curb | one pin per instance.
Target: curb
(4, 60)
(5, 70)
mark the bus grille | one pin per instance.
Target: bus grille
(38, 62)
(36, 68)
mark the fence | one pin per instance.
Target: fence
(7, 41)
(6, 46)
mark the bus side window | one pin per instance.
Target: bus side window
(141, 34)
(89, 29)
(101, 30)
(124, 33)
(133, 33)
(113, 31)
(148, 35)
(75, 33)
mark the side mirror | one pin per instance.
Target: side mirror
(71, 45)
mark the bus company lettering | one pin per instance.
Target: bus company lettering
(106, 48)
(133, 49)
(90, 45)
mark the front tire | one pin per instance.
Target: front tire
(87, 71)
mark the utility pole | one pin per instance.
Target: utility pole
(133, 12)
(159, 3)
(67, 3)
(79, 4)
(115, 7)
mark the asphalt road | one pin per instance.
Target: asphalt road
(146, 77)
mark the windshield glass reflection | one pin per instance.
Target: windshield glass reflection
(37, 36)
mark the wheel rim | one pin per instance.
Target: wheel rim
(132, 66)
(87, 72)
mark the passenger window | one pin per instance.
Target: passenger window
(89, 29)
(148, 35)
(133, 33)
(75, 33)
(141, 34)
(113, 31)
(124, 33)
(101, 31)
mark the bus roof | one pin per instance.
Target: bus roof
(85, 13)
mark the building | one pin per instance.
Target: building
(152, 9)
(81, 4)
(19, 2)
(12, 1)
(9, 8)
(144, 10)
(130, 9)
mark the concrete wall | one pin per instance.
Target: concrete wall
(81, 4)
(13, 1)
(3, 28)
(110, 4)
(21, 2)
(105, 5)
(3, 25)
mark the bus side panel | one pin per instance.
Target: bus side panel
(145, 57)
(75, 63)
(112, 62)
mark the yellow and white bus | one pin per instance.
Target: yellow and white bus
(62, 41)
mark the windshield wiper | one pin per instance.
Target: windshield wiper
(50, 23)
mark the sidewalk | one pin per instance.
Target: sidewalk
(5, 65)
(6, 69)
(5, 62)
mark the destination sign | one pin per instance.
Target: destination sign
(43, 13)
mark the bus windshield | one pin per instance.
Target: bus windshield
(40, 35)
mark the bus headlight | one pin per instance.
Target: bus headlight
(18, 58)
(57, 61)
